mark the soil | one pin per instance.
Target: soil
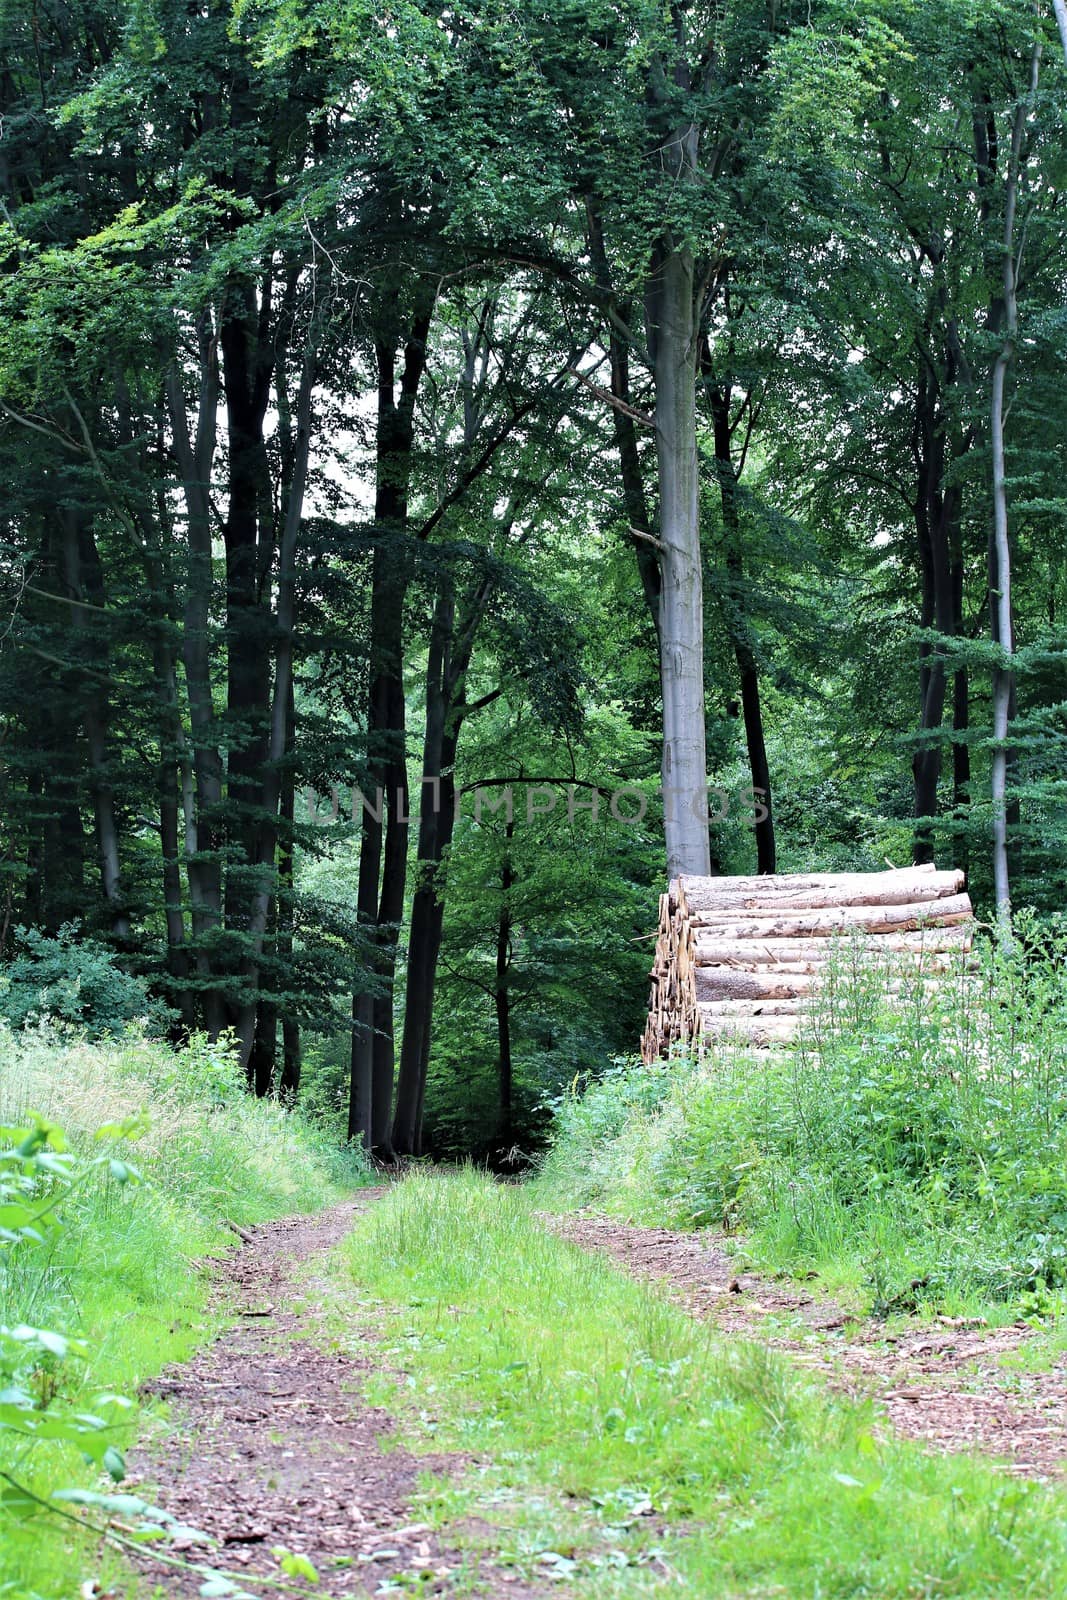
(272, 1443)
(942, 1382)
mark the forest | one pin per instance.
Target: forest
(502, 497)
(421, 428)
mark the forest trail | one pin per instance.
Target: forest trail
(942, 1384)
(273, 1445)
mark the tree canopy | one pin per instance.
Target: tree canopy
(465, 463)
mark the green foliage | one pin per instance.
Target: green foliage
(76, 980)
(624, 1448)
(98, 1287)
(37, 1174)
(901, 1144)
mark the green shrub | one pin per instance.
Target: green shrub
(78, 981)
(911, 1141)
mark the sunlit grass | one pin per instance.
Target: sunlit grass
(124, 1274)
(607, 1421)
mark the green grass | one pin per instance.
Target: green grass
(911, 1150)
(625, 1447)
(123, 1273)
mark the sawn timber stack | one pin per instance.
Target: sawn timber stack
(743, 956)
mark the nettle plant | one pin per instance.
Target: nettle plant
(37, 1174)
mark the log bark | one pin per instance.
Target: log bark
(815, 954)
(857, 889)
(745, 924)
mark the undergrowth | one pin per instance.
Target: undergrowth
(99, 1286)
(912, 1142)
(622, 1447)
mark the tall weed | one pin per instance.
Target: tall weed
(144, 1152)
(914, 1138)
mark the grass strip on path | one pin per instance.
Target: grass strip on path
(626, 1449)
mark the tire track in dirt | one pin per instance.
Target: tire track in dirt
(938, 1383)
(273, 1445)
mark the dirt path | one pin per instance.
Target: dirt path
(272, 1444)
(942, 1383)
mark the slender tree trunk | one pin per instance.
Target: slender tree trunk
(961, 750)
(635, 501)
(204, 807)
(289, 1082)
(248, 355)
(1060, 8)
(672, 335)
(1000, 598)
(744, 655)
(423, 948)
(278, 747)
(502, 993)
(371, 1007)
(937, 513)
(171, 852)
(445, 680)
(94, 720)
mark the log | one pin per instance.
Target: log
(824, 924)
(944, 944)
(723, 983)
(683, 889)
(750, 1030)
(725, 1009)
(703, 905)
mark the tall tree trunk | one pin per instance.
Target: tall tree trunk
(448, 661)
(378, 891)
(277, 752)
(77, 547)
(961, 750)
(245, 338)
(446, 671)
(196, 453)
(744, 655)
(435, 831)
(383, 848)
(1000, 549)
(672, 336)
(1060, 8)
(937, 513)
(635, 501)
(170, 836)
(289, 1082)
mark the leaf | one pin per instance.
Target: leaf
(218, 1585)
(294, 1566)
(847, 1481)
(15, 1501)
(119, 1505)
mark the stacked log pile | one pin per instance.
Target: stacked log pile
(744, 956)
